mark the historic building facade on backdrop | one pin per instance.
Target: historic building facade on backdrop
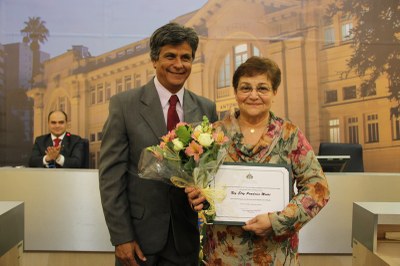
(310, 51)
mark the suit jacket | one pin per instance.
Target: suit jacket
(71, 149)
(134, 208)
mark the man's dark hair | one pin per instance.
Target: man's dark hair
(256, 65)
(172, 34)
(61, 111)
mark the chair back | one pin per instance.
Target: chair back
(355, 164)
(85, 162)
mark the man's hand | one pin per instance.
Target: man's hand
(196, 200)
(260, 225)
(52, 153)
(126, 252)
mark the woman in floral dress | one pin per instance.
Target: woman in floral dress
(258, 136)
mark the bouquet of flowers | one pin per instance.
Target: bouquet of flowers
(188, 155)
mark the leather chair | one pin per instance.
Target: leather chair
(355, 164)
(85, 162)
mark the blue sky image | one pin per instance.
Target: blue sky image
(100, 25)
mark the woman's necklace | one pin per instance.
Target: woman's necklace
(252, 130)
(255, 129)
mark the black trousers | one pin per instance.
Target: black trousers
(169, 256)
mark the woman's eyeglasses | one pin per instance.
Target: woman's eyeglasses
(261, 90)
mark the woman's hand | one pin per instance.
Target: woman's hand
(260, 225)
(195, 198)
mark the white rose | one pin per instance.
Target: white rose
(178, 145)
(198, 128)
(205, 139)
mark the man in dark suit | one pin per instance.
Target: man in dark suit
(58, 149)
(151, 223)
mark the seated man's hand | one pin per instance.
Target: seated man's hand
(196, 200)
(52, 153)
(126, 252)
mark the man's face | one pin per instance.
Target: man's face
(174, 65)
(57, 124)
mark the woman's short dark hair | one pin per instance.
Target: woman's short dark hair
(172, 34)
(256, 65)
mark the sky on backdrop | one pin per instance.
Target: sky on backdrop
(100, 25)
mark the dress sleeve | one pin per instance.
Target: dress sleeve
(313, 192)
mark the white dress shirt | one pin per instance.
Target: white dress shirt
(164, 95)
(60, 159)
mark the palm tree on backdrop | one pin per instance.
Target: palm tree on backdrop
(35, 33)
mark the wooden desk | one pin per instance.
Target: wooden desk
(11, 232)
(63, 209)
(371, 220)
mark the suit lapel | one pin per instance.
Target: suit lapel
(65, 144)
(151, 110)
(48, 141)
(191, 112)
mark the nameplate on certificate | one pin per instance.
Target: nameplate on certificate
(251, 190)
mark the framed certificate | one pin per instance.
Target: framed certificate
(251, 189)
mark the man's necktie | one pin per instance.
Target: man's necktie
(57, 142)
(172, 118)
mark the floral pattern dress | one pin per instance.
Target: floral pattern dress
(281, 143)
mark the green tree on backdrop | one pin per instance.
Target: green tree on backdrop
(376, 43)
(35, 33)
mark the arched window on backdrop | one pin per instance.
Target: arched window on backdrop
(240, 53)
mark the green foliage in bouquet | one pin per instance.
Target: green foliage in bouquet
(188, 155)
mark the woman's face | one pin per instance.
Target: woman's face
(254, 96)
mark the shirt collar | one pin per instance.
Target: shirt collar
(60, 137)
(165, 94)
